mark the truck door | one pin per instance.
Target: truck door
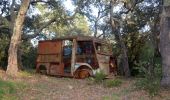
(103, 56)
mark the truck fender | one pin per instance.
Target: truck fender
(80, 65)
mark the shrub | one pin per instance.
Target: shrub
(99, 77)
(112, 83)
(4, 41)
(151, 86)
(150, 82)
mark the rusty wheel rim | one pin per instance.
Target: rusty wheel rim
(81, 74)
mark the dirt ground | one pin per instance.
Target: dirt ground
(42, 87)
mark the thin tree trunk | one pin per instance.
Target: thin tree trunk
(125, 62)
(165, 44)
(12, 67)
(125, 57)
(95, 25)
(12, 17)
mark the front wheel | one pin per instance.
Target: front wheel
(81, 73)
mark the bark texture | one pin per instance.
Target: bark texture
(165, 45)
(125, 63)
(73, 57)
(12, 67)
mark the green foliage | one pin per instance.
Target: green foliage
(113, 83)
(99, 77)
(29, 54)
(62, 25)
(143, 54)
(106, 98)
(135, 45)
(4, 41)
(150, 81)
(148, 67)
(116, 96)
(151, 86)
(147, 51)
(166, 2)
(7, 88)
(78, 26)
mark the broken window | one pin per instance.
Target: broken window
(102, 48)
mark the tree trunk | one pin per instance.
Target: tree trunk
(165, 44)
(95, 26)
(12, 67)
(125, 57)
(125, 62)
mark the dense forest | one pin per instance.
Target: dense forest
(137, 29)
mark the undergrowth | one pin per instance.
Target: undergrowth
(8, 89)
(27, 73)
(149, 82)
(99, 77)
(112, 83)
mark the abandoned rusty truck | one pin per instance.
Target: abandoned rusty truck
(77, 56)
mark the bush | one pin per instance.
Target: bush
(29, 55)
(151, 86)
(150, 82)
(112, 83)
(99, 77)
(4, 41)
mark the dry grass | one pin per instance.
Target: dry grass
(41, 87)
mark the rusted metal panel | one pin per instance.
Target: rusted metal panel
(49, 47)
(80, 38)
(56, 69)
(103, 61)
(49, 58)
(49, 51)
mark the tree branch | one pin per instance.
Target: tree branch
(38, 31)
(12, 16)
(132, 7)
(77, 10)
(36, 1)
